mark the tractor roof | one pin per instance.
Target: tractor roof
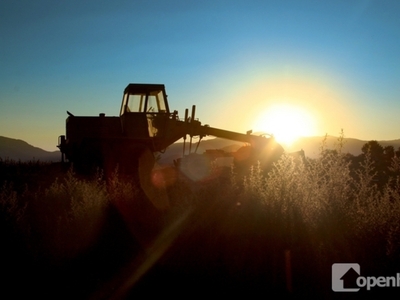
(133, 88)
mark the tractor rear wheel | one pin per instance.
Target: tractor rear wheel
(135, 162)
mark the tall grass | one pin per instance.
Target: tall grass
(68, 216)
(321, 210)
(320, 203)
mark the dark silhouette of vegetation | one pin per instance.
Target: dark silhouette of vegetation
(382, 159)
(278, 233)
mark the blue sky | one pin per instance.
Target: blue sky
(338, 60)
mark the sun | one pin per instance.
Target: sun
(287, 123)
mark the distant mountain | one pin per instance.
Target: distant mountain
(19, 150)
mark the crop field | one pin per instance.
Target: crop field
(276, 233)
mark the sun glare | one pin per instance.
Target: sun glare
(286, 122)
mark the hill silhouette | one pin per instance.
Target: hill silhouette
(19, 150)
(311, 145)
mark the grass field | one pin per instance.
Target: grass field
(69, 236)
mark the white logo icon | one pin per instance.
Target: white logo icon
(344, 277)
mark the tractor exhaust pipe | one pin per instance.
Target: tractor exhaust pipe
(191, 121)
(186, 115)
(184, 136)
(193, 113)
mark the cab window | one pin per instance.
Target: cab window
(156, 102)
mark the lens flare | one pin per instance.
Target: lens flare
(163, 177)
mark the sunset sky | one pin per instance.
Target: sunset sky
(313, 67)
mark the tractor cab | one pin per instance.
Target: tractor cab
(144, 98)
(144, 111)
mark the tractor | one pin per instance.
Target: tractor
(145, 126)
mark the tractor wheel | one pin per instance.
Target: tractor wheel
(121, 158)
(134, 162)
(158, 196)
